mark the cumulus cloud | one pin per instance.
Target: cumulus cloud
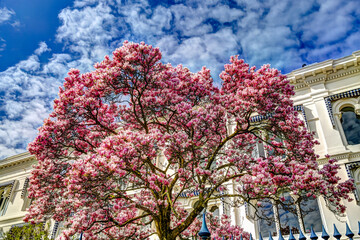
(191, 33)
(26, 97)
(58, 65)
(155, 22)
(338, 16)
(2, 44)
(83, 29)
(43, 47)
(20, 128)
(27, 89)
(280, 33)
(6, 14)
(211, 50)
(195, 33)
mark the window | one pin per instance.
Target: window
(344, 114)
(288, 216)
(353, 171)
(5, 192)
(350, 123)
(215, 211)
(356, 174)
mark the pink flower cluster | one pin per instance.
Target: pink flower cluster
(125, 141)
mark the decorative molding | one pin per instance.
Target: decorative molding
(312, 81)
(350, 156)
(191, 193)
(355, 155)
(349, 167)
(339, 75)
(18, 225)
(299, 86)
(301, 108)
(54, 230)
(260, 118)
(24, 189)
(342, 156)
(330, 70)
(12, 184)
(322, 161)
(16, 160)
(335, 97)
(12, 191)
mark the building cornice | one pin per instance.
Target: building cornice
(340, 157)
(16, 160)
(325, 71)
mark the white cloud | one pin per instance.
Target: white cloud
(88, 32)
(87, 27)
(26, 99)
(16, 134)
(83, 3)
(58, 65)
(155, 22)
(43, 47)
(15, 24)
(189, 21)
(6, 14)
(262, 46)
(331, 23)
(212, 50)
(26, 102)
(193, 32)
(2, 44)
(28, 88)
(30, 64)
(224, 13)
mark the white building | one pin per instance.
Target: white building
(14, 173)
(328, 95)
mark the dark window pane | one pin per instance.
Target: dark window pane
(266, 219)
(351, 125)
(311, 214)
(215, 211)
(288, 217)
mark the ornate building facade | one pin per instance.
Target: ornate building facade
(14, 173)
(328, 99)
(328, 96)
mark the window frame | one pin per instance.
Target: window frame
(337, 106)
(276, 209)
(5, 203)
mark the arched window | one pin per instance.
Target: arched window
(215, 211)
(350, 122)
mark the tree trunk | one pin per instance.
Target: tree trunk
(276, 217)
(164, 232)
(300, 216)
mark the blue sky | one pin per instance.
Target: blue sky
(40, 40)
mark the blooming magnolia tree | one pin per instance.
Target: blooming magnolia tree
(125, 141)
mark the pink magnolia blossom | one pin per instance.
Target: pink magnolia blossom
(127, 140)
